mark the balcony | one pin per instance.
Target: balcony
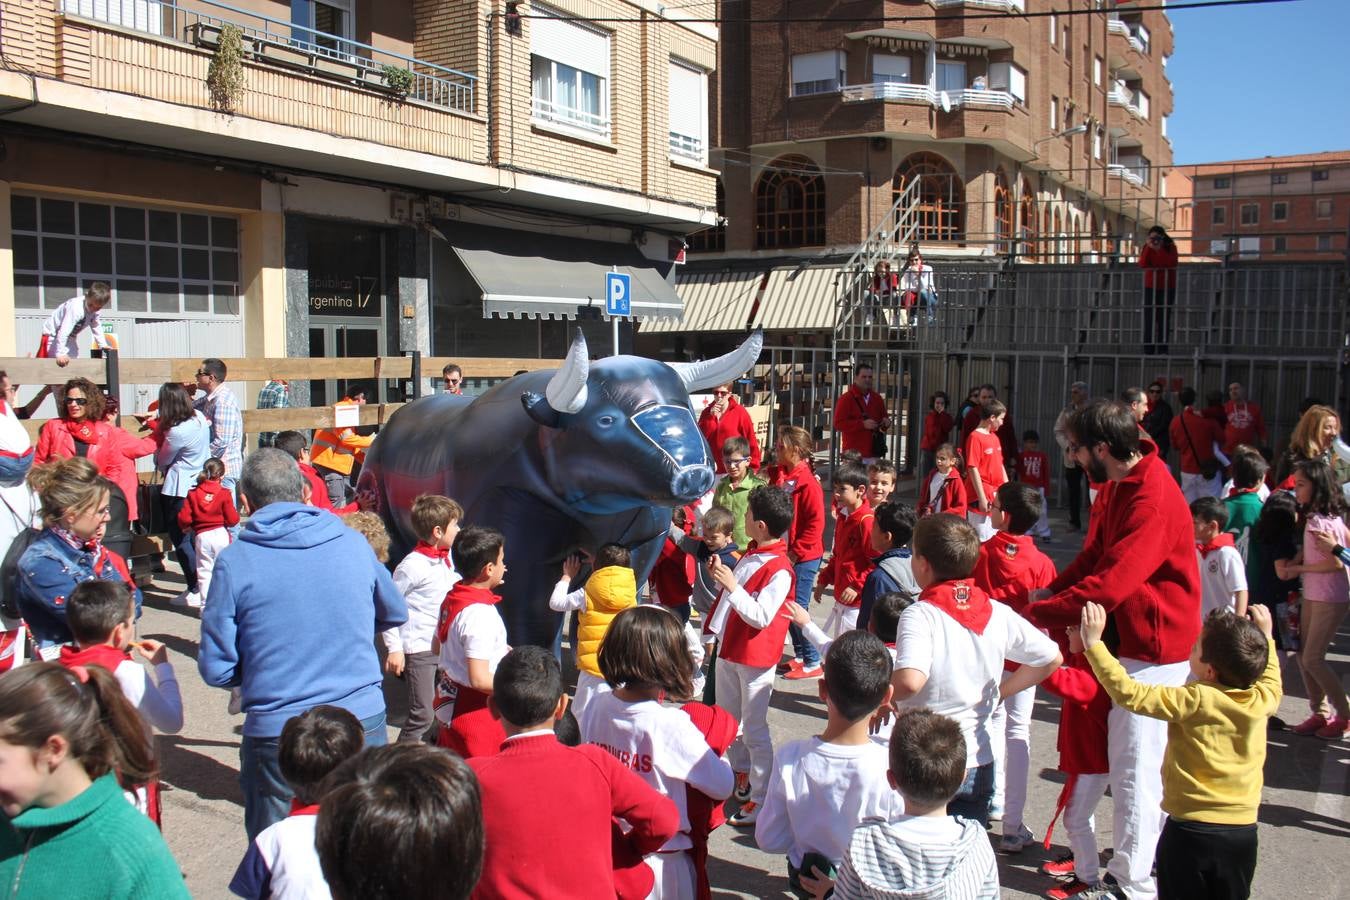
(1116, 26)
(1005, 5)
(981, 99)
(1137, 176)
(889, 90)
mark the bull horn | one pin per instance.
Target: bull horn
(566, 391)
(698, 376)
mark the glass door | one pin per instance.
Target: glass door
(341, 341)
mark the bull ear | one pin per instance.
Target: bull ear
(698, 376)
(537, 408)
(566, 391)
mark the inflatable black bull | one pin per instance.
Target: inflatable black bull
(556, 460)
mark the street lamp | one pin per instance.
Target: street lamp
(1080, 128)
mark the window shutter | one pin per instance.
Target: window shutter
(890, 68)
(808, 68)
(569, 43)
(688, 100)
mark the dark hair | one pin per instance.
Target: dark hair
(928, 758)
(1187, 396)
(897, 520)
(936, 394)
(475, 548)
(949, 449)
(882, 467)
(86, 706)
(734, 445)
(432, 511)
(857, 673)
(1106, 422)
(212, 470)
(1249, 468)
(773, 507)
(1210, 509)
(1022, 505)
(949, 545)
(214, 367)
(853, 457)
(1327, 499)
(527, 685)
(175, 406)
(358, 389)
(451, 367)
(1167, 241)
(1132, 395)
(1157, 384)
(850, 475)
(402, 822)
(1235, 647)
(613, 555)
(315, 743)
(886, 610)
(567, 730)
(645, 648)
(1031, 434)
(992, 408)
(719, 520)
(1278, 521)
(93, 407)
(292, 443)
(863, 365)
(1214, 398)
(95, 608)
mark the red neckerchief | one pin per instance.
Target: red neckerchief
(460, 598)
(1223, 540)
(75, 542)
(774, 548)
(300, 809)
(963, 601)
(82, 430)
(1237, 490)
(431, 551)
(104, 655)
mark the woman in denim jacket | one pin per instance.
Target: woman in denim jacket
(69, 551)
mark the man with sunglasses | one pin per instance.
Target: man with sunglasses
(726, 418)
(221, 409)
(860, 415)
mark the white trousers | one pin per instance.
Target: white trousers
(588, 686)
(1134, 747)
(1010, 738)
(981, 524)
(1081, 827)
(1194, 486)
(745, 692)
(1042, 527)
(208, 545)
(841, 619)
(675, 876)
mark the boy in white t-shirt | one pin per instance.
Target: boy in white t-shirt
(951, 647)
(1223, 575)
(470, 641)
(61, 330)
(819, 788)
(424, 577)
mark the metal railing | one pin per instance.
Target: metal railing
(980, 97)
(982, 4)
(572, 117)
(688, 147)
(1117, 26)
(277, 42)
(1135, 176)
(889, 90)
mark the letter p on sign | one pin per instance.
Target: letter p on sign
(618, 294)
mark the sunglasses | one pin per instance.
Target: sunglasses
(721, 393)
(202, 373)
(740, 461)
(78, 401)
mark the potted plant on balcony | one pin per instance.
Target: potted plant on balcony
(398, 80)
(225, 76)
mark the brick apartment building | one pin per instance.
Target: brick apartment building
(1042, 136)
(394, 174)
(1276, 208)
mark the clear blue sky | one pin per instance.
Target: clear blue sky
(1260, 80)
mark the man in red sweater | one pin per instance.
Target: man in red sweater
(1195, 436)
(547, 808)
(726, 418)
(1140, 563)
(1243, 424)
(860, 414)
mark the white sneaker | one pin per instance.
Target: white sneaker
(1016, 843)
(190, 599)
(236, 705)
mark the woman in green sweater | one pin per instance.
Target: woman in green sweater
(66, 737)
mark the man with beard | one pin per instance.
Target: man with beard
(1139, 563)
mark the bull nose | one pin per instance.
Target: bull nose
(691, 482)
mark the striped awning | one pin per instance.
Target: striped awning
(713, 301)
(799, 298)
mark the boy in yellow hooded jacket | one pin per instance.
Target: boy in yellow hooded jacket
(610, 589)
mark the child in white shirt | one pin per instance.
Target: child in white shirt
(61, 330)
(424, 577)
(1223, 575)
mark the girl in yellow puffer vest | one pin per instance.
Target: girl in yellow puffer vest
(610, 589)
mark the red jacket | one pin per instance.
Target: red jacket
(114, 453)
(757, 647)
(1140, 564)
(318, 493)
(937, 430)
(1082, 717)
(672, 577)
(849, 412)
(1192, 429)
(208, 506)
(735, 422)
(1159, 265)
(1010, 567)
(532, 851)
(851, 560)
(1244, 425)
(806, 534)
(953, 494)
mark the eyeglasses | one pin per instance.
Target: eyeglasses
(739, 461)
(451, 382)
(721, 393)
(202, 373)
(78, 401)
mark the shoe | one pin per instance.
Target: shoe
(747, 816)
(995, 813)
(797, 675)
(1310, 725)
(1073, 888)
(1059, 868)
(236, 705)
(1335, 730)
(1101, 891)
(742, 792)
(1016, 843)
(1275, 723)
(790, 666)
(190, 599)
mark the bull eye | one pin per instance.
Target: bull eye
(606, 421)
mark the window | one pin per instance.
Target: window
(142, 15)
(569, 69)
(688, 112)
(817, 73)
(1281, 244)
(1249, 246)
(1054, 115)
(1141, 103)
(1222, 182)
(888, 69)
(157, 261)
(951, 76)
(1142, 34)
(1324, 242)
(1249, 214)
(1054, 29)
(1279, 211)
(1097, 144)
(1009, 77)
(1097, 71)
(1027, 220)
(1321, 175)
(1324, 208)
(941, 196)
(1219, 215)
(790, 204)
(1162, 124)
(1003, 212)
(1279, 177)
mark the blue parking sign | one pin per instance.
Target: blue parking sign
(618, 294)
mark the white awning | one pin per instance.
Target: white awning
(713, 301)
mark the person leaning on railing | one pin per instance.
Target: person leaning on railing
(917, 290)
(1158, 259)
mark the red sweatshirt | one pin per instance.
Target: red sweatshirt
(953, 494)
(318, 493)
(1244, 425)
(532, 851)
(937, 430)
(806, 534)
(1191, 428)
(851, 560)
(1140, 564)
(1033, 468)
(735, 422)
(849, 412)
(673, 575)
(1082, 718)
(1010, 567)
(208, 506)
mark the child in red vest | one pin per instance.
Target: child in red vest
(751, 622)
(1033, 468)
(209, 513)
(1010, 567)
(944, 491)
(852, 557)
(470, 641)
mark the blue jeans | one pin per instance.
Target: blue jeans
(977, 791)
(267, 796)
(806, 579)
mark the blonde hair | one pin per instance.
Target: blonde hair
(796, 439)
(67, 485)
(371, 527)
(1307, 437)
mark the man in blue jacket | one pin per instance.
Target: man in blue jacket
(291, 618)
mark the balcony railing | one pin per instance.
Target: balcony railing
(276, 42)
(571, 117)
(1118, 27)
(1018, 5)
(1135, 176)
(981, 98)
(889, 90)
(688, 147)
